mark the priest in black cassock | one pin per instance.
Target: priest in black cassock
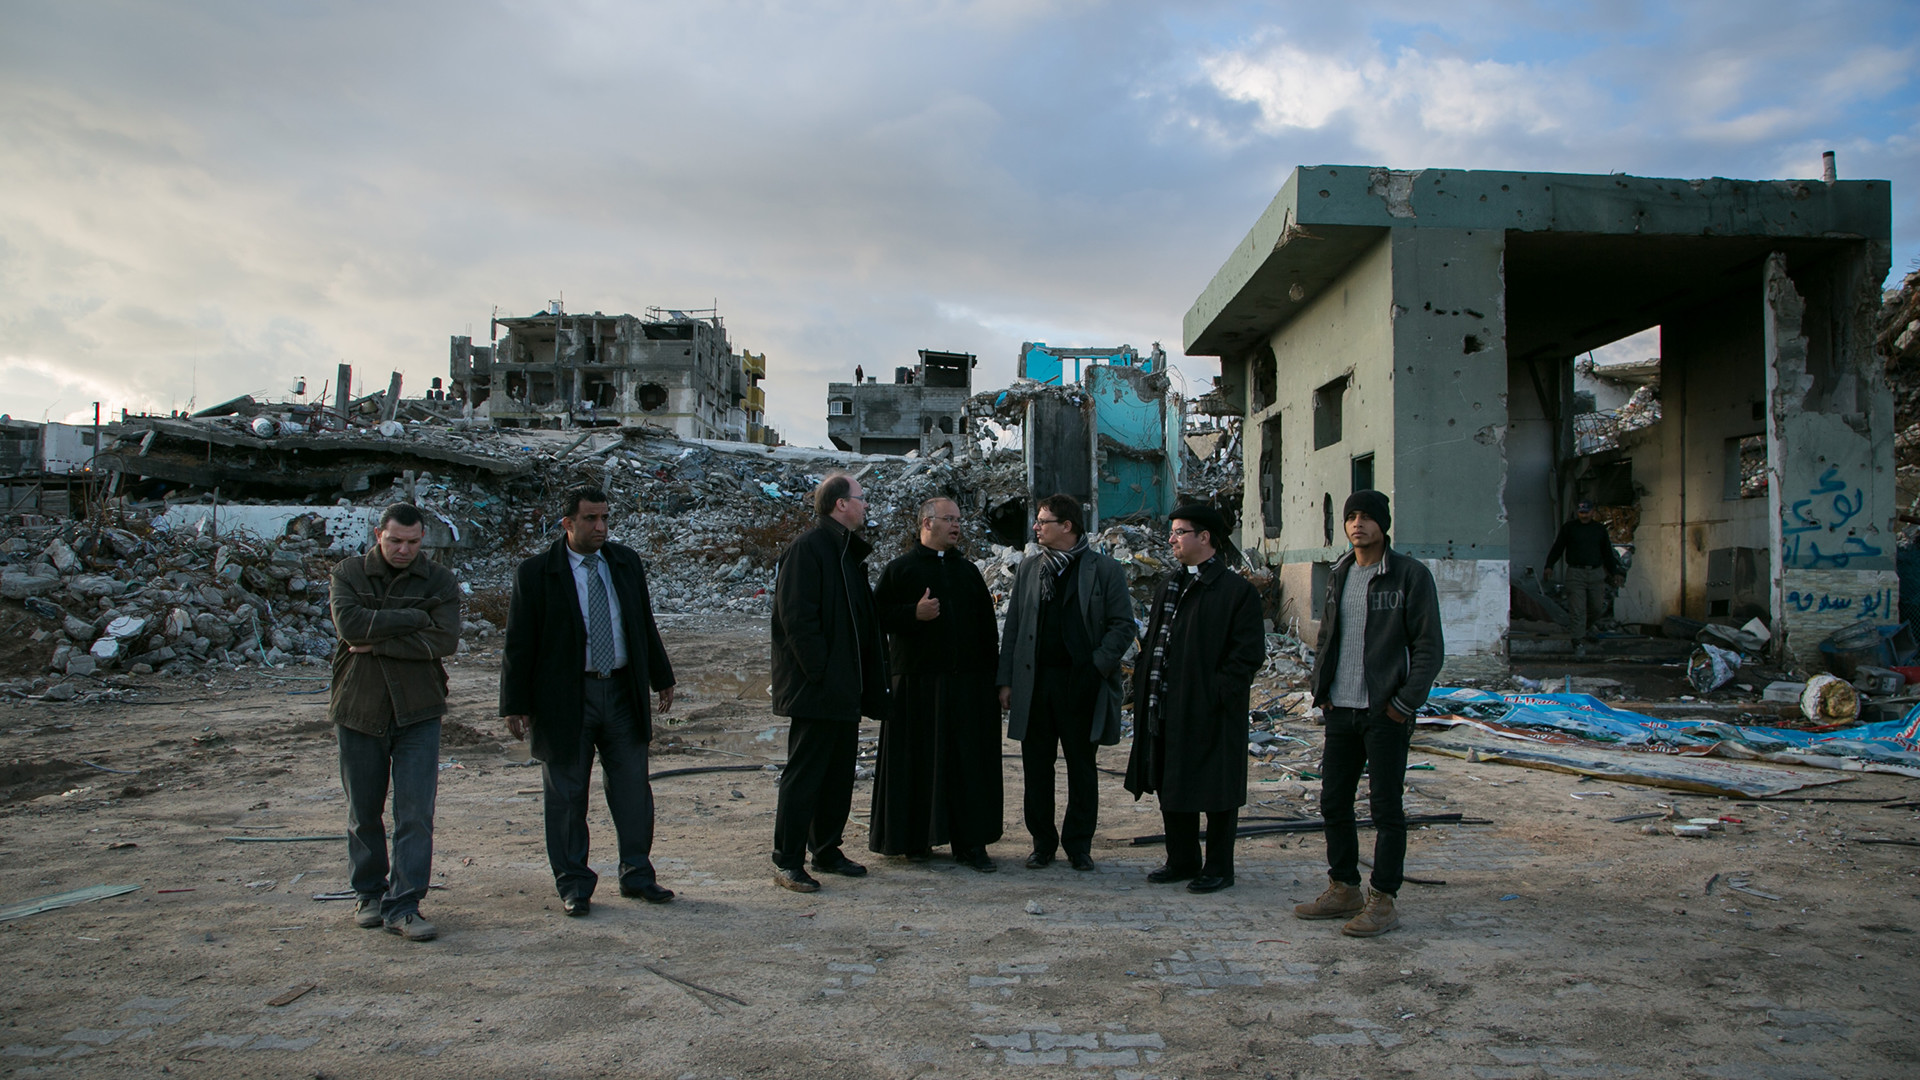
(938, 777)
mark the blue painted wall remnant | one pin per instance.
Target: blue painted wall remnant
(1060, 367)
(1138, 422)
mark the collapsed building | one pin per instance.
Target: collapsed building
(1417, 331)
(1101, 425)
(923, 410)
(674, 370)
(45, 469)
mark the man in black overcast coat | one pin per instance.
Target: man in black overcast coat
(828, 671)
(572, 695)
(1192, 686)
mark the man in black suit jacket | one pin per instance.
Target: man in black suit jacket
(582, 651)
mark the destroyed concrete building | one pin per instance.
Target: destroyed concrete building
(1417, 332)
(674, 370)
(922, 410)
(1099, 424)
(45, 469)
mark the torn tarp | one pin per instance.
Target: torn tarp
(1564, 719)
(1731, 778)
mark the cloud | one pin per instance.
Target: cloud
(221, 197)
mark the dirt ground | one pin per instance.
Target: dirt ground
(1559, 945)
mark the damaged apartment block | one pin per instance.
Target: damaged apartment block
(1417, 332)
(672, 370)
(922, 410)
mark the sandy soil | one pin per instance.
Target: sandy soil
(1560, 945)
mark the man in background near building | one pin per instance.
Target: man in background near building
(582, 651)
(1591, 566)
(1069, 622)
(937, 778)
(396, 613)
(1380, 650)
(828, 671)
(1192, 690)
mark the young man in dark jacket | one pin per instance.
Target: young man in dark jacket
(828, 671)
(397, 613)
(1380, 650)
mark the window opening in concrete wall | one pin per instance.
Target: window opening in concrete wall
(1271, 484)
(598, 391)
(926, 425)
(1363, 472)
(839, 407)
(516, 386)
(1326, 517)
(1610, 483)
(1265, 378)
(1009, 524)
(1746, 467)
(1328, 403)
(1319, 586)
(540, 388)
(650, 396)
(946, 425)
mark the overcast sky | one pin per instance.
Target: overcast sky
(208, 199)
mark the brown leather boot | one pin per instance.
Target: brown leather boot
(1339, 901)
(1375, 919)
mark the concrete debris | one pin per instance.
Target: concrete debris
(1608, 429)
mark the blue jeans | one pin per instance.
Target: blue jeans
(1356, 743)
(409, 757)
(610, 725)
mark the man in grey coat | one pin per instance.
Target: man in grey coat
(1069, 622)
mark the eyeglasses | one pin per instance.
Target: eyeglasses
(947, 519)
(855, 498)
(1046, 521)
(1184, 532)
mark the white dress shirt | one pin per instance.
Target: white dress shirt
(613, 607)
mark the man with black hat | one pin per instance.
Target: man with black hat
(1591, 565)
(1380, 650)
(1192, 685)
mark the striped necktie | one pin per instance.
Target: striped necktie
(599, 617)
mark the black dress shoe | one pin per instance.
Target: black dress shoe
(1209, 883)
(650, 892)
(1037, 861)
(1079, 861)
(1167, 875)
(576, 906)
(844, 866)
(978, 859)
(796, 879)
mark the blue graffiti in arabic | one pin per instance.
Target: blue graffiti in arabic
(1880, 604)
(1802, 517)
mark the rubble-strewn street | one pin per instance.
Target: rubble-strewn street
(1550, 937)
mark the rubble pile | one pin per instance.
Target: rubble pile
(121, 597)
(210, 546)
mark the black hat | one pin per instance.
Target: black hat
(1210, 520)
(1373, 504)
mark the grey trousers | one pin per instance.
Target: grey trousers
(1586, 597)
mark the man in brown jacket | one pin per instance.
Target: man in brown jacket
(396, 613)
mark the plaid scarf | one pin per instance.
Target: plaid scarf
(1058, 562)
(1176, 588)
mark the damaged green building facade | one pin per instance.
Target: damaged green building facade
(1416, 332)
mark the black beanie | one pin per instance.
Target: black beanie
(1373, 504)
